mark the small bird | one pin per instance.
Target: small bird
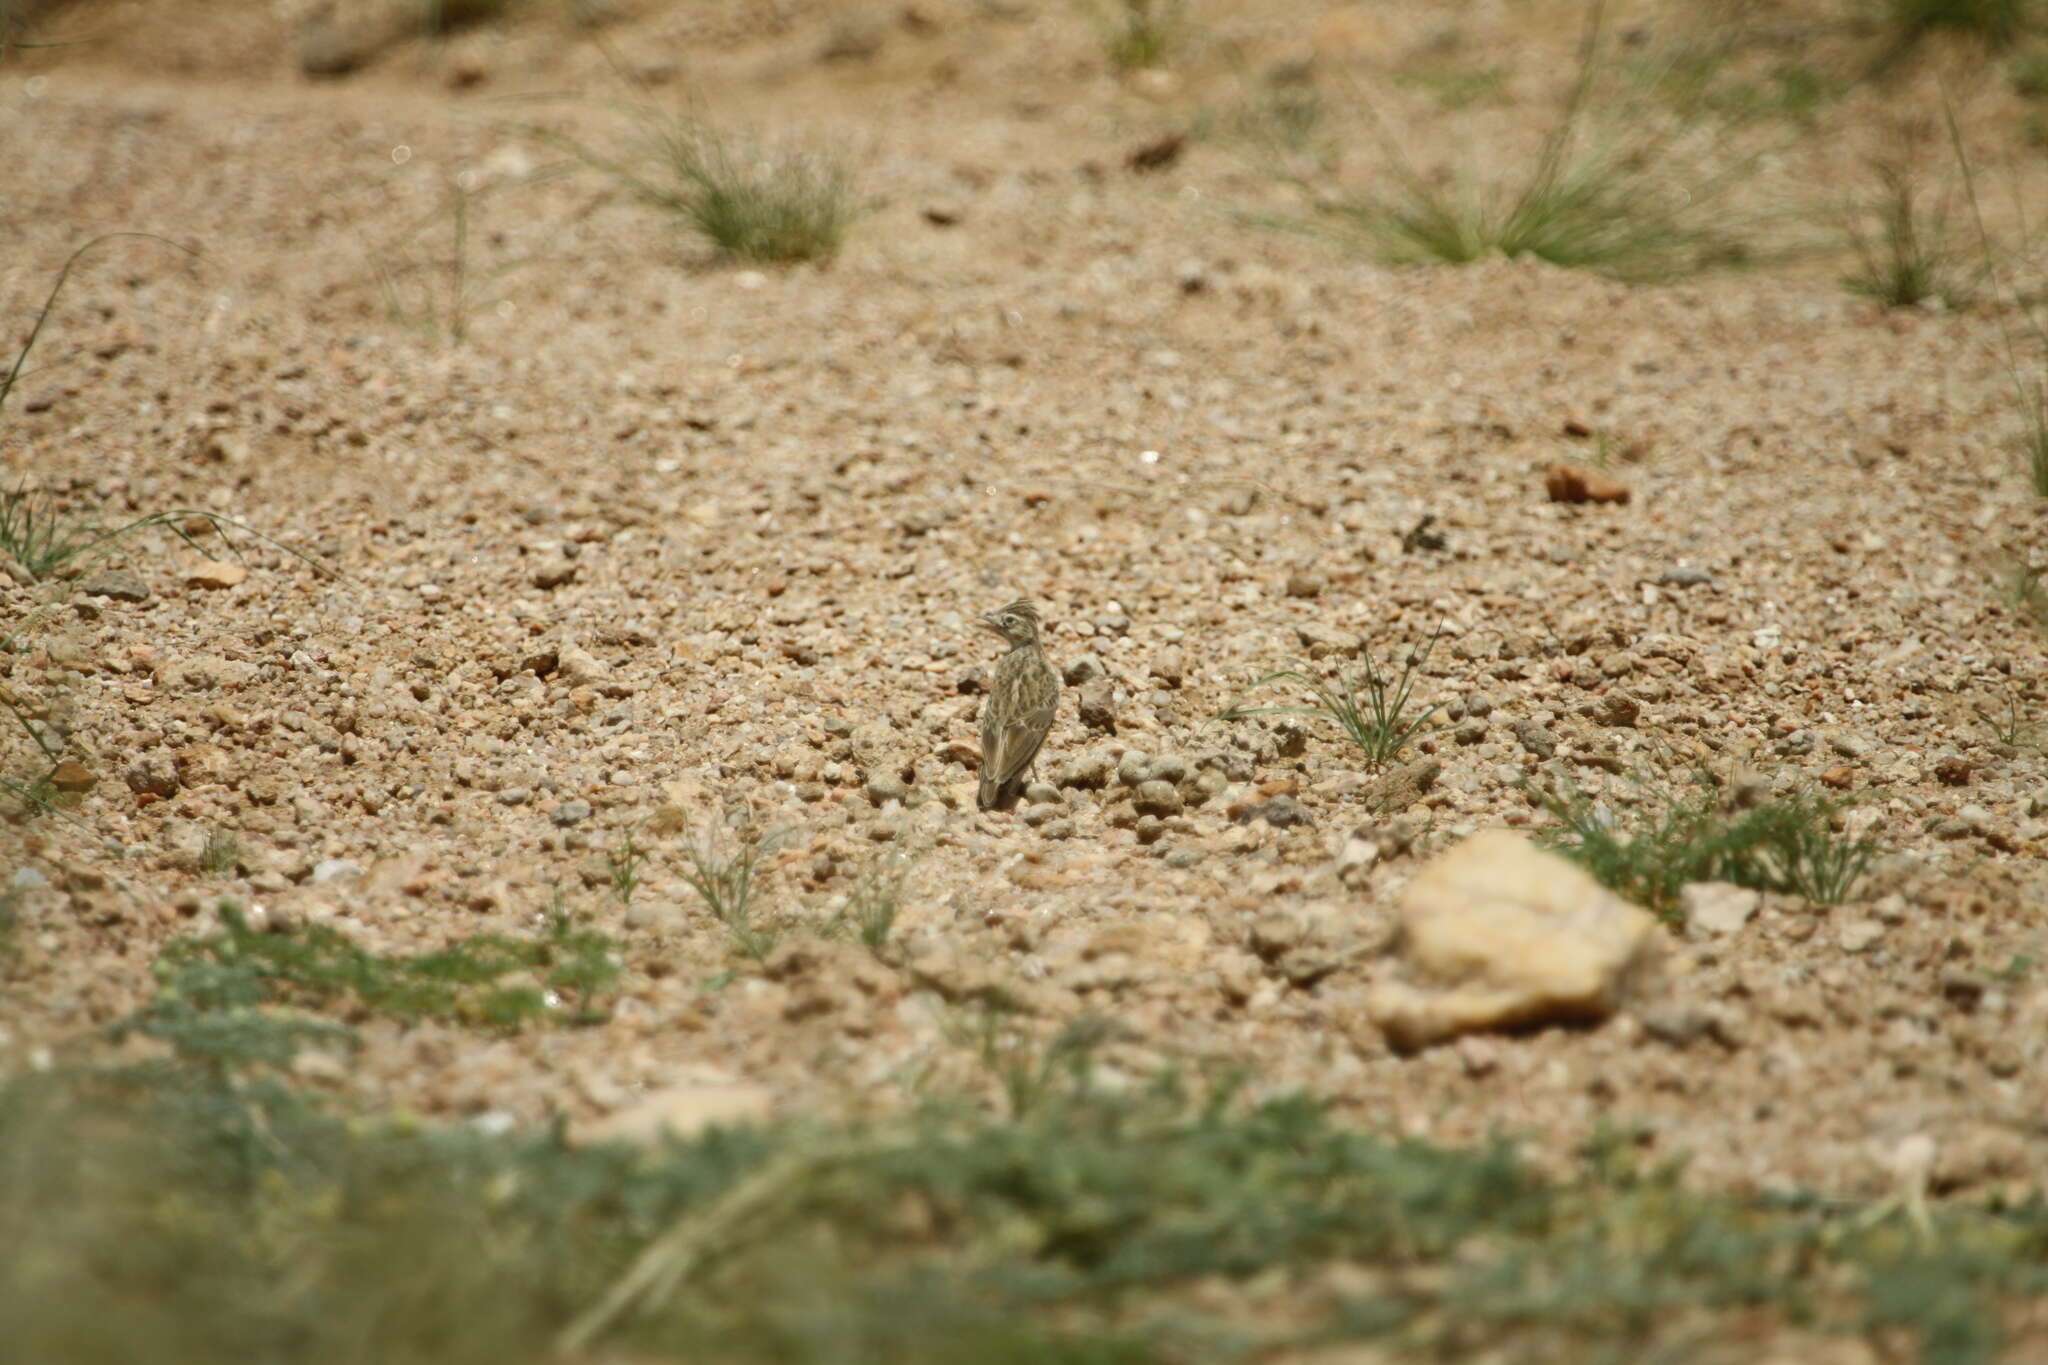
(1023, 698)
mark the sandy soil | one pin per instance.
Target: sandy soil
(661, 532)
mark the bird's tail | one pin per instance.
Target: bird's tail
(991, 793)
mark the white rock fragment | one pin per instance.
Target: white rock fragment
(680, 1110)
(1716, 907)
(1497, 934)
(336, 870)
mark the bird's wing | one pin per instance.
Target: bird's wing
(1017, 743)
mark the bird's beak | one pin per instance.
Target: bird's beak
(989, 623)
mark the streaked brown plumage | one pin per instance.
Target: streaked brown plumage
(1023, 698)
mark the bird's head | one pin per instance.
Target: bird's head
(1017, 623)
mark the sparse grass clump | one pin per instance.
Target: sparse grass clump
(2029, 393)
(37, 535)
(624, 863)
(1904, 250)
(877, 898)
(10, 918)
(220, 854)
(773, 205)
(1996, 22)
(1616, 187)
(1377, 716)
(755, 201)
(1286, 117)
(1139, 34)
(2025, 592)
(1456, 87)
(1784, 844)
(184, 1214)
(2028, 75)
(232, 992)
(721, 865)
(447, 16)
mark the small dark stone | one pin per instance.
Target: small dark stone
(1098, 706)
(123, 585)
(1685, 576)
(152, 779)
(1281, 812)
(1535, 738)
(1421, 537)
(1082, 670)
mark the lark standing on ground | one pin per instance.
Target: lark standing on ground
(1023, 698)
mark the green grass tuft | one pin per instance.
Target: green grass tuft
(768, 204)
(2028, 75)
(721, 865)
(1456, 87)
(1616, 188)
(1141, 34)
(1996, 22)
(440, 17)
(1904, 250)
(1377, 718)
(2025, 592)
(37, 535)
(185, 1214)
(1783, 844)
(624, 864)
(57, 287)
(240, 993)
(877, 898)
(10, 921)
(220, 855)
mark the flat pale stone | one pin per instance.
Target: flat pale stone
(1716, 907)
(681, 1111)
(216, 573)
(1496, 933)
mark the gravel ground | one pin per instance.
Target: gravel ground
(660, 544)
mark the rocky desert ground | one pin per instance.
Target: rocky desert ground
(512, 556)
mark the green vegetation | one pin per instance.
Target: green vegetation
(46, 541)
(721, 864)
(2030, 395)
(1996, 22)
(2034, 439)
(2025, 593)
(1905, 255)
(1619, 191)
(1456, 87)
(447, 16)
(624, 864)
(437, 288)
(1286, 118)
(1138, 34)
(238, 996)
(771, 204)
(1377, 719)
(10, 919)
(1786, 844)
(2013, 727)
(220, 854)
(186, 1213)
(38, 536)
(50, 301)
(877, 898)
(2028, 75)
(37, 796)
